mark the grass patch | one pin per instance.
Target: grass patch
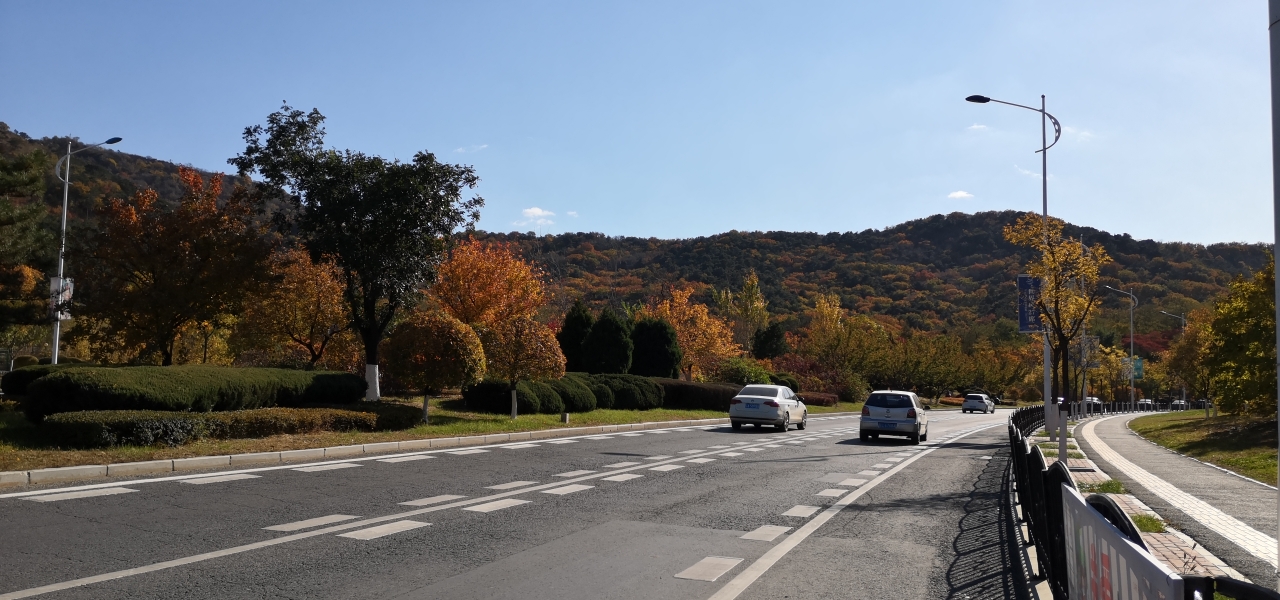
(1043, 433)
(1054, 446)
(1110, 486)
(1242, 444)
(1070, 454)
(1148, 523)
(840, 407)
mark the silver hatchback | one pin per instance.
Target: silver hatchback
(893, 413)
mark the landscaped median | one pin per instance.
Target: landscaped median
(1243, 444)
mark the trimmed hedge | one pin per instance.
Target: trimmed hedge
(549, 400)
(494, 396)
(697, 396)
(15, 382)
(631, 392)
(819, 398)
(601, 392)
(185, 388)
(574, 392)
(786, 379)
(97, 428)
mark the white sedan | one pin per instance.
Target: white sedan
(978, 402)
(773, 405)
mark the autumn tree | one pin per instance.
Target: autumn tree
(431, 351)
(1069, 273)
(483, 284)
(151, 272)
(1243, 345)
(303, 307)
(23, 243)
(386, 224)
(704, 339)
(747, 311)
(1188, 357)
(522, 348)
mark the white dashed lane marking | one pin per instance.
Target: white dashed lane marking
(496, 505)
(709, 568)
(334, 467)
(801, 511)
(309, 523)
(869, 473)
(753, 449)
(852, 482)
(881, 466)
(622, 477)
(657, 457)
(667, 468)
(519, 446)
(689, 451)
(466, 452)
(400, 459)
(575, 473)
(568, 489)
(85, 494)
(832, 493)
(730, 454)
(719, 447)
(432, 500)
(766, 533)
(381, 530)
(631, 434)
(701, 460)
(563, 442)
(510, 486)
(621, 465)
(220, 478)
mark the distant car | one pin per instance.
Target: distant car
(773, 405)
(890, 412)
(1145, 404)
(1092, 404)
(1178, 405)
(978, 402)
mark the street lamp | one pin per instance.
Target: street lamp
(1183, 318)
(1132, 306)
(1044, 188)
(58, 287)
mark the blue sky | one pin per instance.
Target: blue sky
(678, 119)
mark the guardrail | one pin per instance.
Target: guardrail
(1104, 541)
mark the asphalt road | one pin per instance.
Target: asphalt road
(659, 514)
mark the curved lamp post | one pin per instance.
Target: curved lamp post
(1183, 318)
(58, 286)
(1133, 305)
(1045, 117)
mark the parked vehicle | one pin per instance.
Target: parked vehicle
(978, 402)
(890, 412)
(773, 405)
(1178, 405)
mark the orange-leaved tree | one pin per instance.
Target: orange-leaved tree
(704, 339)
(302, 308)
(431, 351)
(152, 271)
(484, 284)
(522, 348)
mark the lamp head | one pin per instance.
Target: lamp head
(112, 140)
(978, 99)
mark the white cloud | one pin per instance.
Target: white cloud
(960, 195)
(976, 127)
(536, 216)
(572, 213)
(472, 148)
(1082, 135)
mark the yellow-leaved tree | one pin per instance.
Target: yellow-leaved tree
(430, 351)
(484, 284)
(747, 311)
(704, 339)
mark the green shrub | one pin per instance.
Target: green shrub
(631, 392)
(608, 347)
(26, 360)
(819, 399)
(742, 371)
(186, 388)
(697, 396)
(549, 400)
(786, 379)
(91, 429)
(576, 395)
(494, 396)
(15, 382)
(657, 351)
(64, 360)
(602, 393)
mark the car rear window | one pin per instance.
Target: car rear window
(759, 390)
(972, 397)
(890, 401)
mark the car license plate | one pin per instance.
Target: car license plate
(888, 425)
(750, 405)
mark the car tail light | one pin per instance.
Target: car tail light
(771, 403)
(735, 401)
(911, 413)
(866, 412)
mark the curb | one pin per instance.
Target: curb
(159, 467)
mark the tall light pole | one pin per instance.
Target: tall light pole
(1183, 318)
(1273, 27)
(1133, 305)
(1045, 117)
(63, 171)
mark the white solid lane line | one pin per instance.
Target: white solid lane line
(510, 486)
(701, 460)
(400, 459)
(84, 494)
(621, 465)
(667, 468)
(801, 510)
(466, 452)
(309, 523)
(432, 500)
(709, 568)
(766, 533)
(622, 477)
(575, 473)
(568, 489)
(221, 478)
(326, 467)
(496, 505)
(381, 530)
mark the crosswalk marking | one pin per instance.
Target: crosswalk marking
(383, 530)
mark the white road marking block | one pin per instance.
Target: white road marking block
(667, 468)
(689, 451)
(568, 489)
(575, 473)
(432, 500)
(83, 494)
(400, 459)
(466, 452)
(318, 468)
(893, 460)
(563, 442)
(519, 446)
(598, 437)
(832, 493)
(753, 449)
(381, 530)
(719, 447)
(496, 505)
(620, 465)
(220, 478)
(309, 523)
(766, 533)
(794, 442)
(881, 466)
(656, 457)
(852, 482)
(709, 568)
(869, 473)
(701, 460)
(622, 477)
(659, 431)
(741, 443)
(801, 510)
(510, 486)
(730, 454)
(772, 446)
(631, 434)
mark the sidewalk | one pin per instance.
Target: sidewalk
(1227, 515)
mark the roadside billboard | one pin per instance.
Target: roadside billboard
(1102, 564)
(1028, 309)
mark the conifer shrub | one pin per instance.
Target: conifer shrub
(693, 395)
(575, 393)
(494, 396)
(631, 392)
(549, 400)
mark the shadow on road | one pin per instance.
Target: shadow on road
(983, 567)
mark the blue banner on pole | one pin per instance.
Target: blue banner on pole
(1028, 312)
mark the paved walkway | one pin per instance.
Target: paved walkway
(1225, 513)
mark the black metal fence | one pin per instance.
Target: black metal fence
(1037, 488)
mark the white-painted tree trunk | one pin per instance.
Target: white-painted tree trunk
(371, 377)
